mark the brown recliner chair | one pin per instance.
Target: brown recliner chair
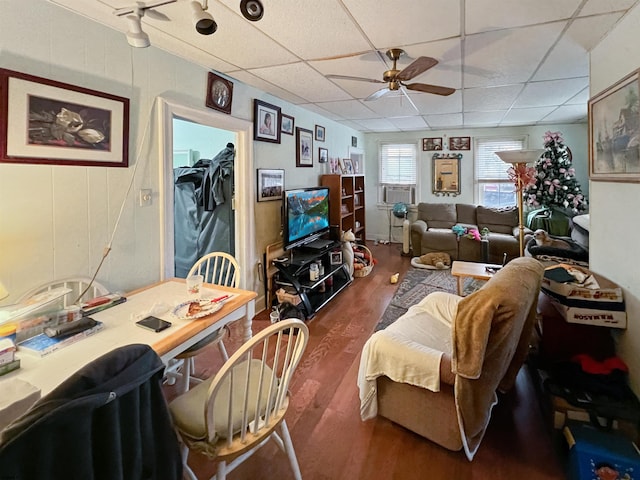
(475, 355)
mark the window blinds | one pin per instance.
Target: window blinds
(398, 163)
(488, 164)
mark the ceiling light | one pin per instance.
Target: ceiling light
(203, 21)
(135, 36)
(252, 9)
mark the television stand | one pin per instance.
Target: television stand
(295, 273)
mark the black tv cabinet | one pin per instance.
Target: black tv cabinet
(294, 272)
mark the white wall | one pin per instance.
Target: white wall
(575, 136)
(613, 241)
(55, 221)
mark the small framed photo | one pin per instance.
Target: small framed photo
(459, 143)
(288, 122)
(270, 184)
(304, 147)
(266, 122)
(323, 155)
(334, 166)
(335, 258)
(430, 144)
(356, 166)
(319, 133)
(354, 141)
(347, 166)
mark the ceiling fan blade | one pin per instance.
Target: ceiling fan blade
(359, 79)
(436, 89)
(421, 64)
(378, 94)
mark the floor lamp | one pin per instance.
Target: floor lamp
(521, 176)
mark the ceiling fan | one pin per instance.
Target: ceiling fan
(397, 78)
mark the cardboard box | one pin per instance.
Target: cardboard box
(597, 454)
(592, 316)
(608, 291)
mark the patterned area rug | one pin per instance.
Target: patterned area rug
(417, 284)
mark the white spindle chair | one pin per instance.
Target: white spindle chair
(230, 416)
(77, 286)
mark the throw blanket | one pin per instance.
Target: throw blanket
(491, 340)
(408, 351)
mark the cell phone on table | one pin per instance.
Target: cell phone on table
(154, 324)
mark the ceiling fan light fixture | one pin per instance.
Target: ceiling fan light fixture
(135, 36)
(202, 20)
(252, 10)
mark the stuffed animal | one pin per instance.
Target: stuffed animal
(347, 249)
(439, 260)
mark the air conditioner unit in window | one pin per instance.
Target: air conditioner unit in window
(397, 194)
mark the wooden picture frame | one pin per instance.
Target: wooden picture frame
(323, 155)
(270, 184)
(304, 147)
(431, 144)
(44, 121)
(266, 122)
(445, 172)
(459, 143)
(288, 124)
(320, 133)
(219, 93)
(614, 125)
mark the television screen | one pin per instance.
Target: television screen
(306, 215)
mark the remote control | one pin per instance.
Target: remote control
(70, 328)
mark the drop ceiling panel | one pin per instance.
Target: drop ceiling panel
(526, 116)
(567, 114)
(490, 98)
(303, 81)
(555, 92)
(581, 98)
(409, 123)
(448, 72)
(321, 111)
(510, 58)
(486, 15)
(351, 109)
(392, 105)
(378, 125)
(395, 24)
(603, 6)
(432, 104)
(265, 86)
(450, 120)
(483, 119)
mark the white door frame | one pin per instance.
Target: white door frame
(244, 187)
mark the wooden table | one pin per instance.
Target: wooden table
(471, 269)
(120, 329)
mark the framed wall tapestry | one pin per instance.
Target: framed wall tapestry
(50, 122)
(266, 122)
(614, 128)
(304, 147)
(270, 184)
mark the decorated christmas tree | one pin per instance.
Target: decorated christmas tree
(555, 184)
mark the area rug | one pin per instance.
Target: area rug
(417, 284)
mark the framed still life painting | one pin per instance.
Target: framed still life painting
(50, 122)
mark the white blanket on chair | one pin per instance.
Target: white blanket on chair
(407, 351)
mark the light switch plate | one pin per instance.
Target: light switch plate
(145, 197)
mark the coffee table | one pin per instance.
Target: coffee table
(475, 270)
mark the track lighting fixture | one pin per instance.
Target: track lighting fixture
(252, 9)
(202, 20)
(135, 36)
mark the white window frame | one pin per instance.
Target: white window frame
(501, 178)
(383, 182)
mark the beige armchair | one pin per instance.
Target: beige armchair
(436, 370)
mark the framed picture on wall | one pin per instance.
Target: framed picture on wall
(45, 121)
(304, 147)
(288, 123)
(323, 155)
(270, 184)
(266, 122)
(614, 155)
(319, 133)
(430, 144)
(459, 143)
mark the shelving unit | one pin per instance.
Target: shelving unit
(347, 202)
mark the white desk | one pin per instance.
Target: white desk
(119, 329)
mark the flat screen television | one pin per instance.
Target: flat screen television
(305, 215)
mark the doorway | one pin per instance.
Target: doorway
(244, 233)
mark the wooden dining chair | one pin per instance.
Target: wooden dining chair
(230, 416)
(218, 268)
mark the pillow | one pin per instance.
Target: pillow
(442, 306)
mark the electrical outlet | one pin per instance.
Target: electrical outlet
(145, 197)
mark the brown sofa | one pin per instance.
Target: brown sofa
(478, 350)
(431, 232)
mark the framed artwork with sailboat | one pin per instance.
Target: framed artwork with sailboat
(614, 132)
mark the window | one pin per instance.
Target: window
(493, 187)
(397, 172)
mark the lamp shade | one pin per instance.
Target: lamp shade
(520, 156)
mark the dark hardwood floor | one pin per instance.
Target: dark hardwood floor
(332, 442)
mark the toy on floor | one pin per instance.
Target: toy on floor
(394, 278)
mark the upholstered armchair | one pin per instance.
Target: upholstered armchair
(437, 369)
